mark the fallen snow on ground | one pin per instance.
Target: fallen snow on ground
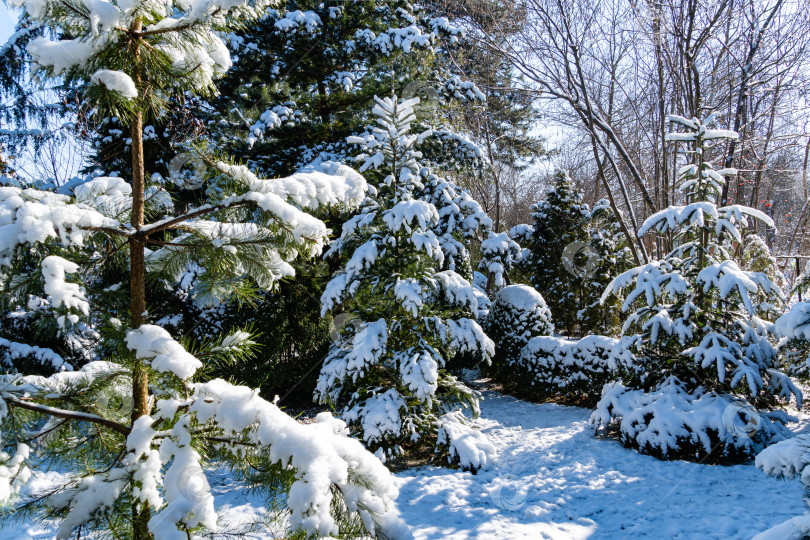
(553, 479)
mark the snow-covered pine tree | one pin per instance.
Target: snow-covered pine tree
(133, 434)
(303, 79)
(560, 220)
(389, 379)
(697, 328)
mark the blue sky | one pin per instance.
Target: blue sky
(7, 22)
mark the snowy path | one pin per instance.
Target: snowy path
(553, 479)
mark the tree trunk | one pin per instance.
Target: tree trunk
(137, 285)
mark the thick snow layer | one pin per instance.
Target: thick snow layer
(61, 292)
(795, 324)
(11, 351)
(30, 216)
(552, 480)
(522, 297)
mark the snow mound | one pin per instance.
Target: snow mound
(521, 297)
(787, 460)
(115, 81)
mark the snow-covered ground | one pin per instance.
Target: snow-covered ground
(553, 479)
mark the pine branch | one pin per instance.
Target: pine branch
(70, 415)
(147, 230)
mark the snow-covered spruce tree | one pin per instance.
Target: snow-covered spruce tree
(139, 471)
(305, 76)
(461, 219)
(560, 220)
(756, 257)
(612, 257)
(518, 314)
(499, 256)
(303, 79)
(389, 380)
(703, 360)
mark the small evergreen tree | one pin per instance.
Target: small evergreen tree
(756, 257)
(138, 471)
(499, 256)
(560, 224)
(304, 78)
(391, 383)
(612, 256)
(697, 327)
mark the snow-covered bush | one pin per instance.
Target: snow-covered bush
(518, 314)
(788, 460)
(673, 422)
(697, 321)
(133, 436)
(552, 367)
(388, 377)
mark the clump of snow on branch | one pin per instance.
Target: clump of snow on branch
(155, 344)
(116, 81)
